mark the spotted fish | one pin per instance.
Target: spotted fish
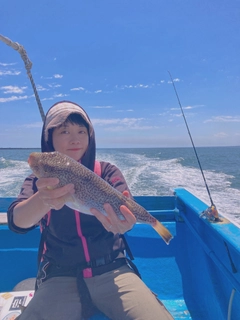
(91, 191)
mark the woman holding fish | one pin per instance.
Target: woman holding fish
(82, 262)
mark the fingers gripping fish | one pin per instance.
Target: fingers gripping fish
(91, 191)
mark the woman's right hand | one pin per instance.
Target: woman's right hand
(51, 196)
(29, 212)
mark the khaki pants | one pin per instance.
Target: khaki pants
(119, 294)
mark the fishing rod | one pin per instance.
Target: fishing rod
(211, 212)
(28, 65)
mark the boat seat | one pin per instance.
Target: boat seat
(3, 218)
(178, 309)
(25, 285)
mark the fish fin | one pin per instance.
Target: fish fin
(162, 231)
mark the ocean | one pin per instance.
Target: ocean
(154, 171)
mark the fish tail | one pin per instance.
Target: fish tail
(162, 231)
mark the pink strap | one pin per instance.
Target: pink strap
(87, 273)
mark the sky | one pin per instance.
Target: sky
(114, 58)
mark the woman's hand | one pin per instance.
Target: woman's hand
(53, 198)
(29, 212)
(111, 222)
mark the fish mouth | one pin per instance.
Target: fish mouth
(31, 159)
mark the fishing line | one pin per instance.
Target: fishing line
(28, 65)
(195, 151)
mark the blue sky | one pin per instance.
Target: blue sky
(113, 57)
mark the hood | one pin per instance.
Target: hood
(56, 116)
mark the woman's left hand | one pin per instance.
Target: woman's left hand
(111, 222)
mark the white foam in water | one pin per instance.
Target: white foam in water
(12, 177)
(226, 199)
(146, 176)
(149, 176)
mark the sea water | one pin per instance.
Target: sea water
(154, 171)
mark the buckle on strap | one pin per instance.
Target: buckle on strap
(94, 263)
(115, 264)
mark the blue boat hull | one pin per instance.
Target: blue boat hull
(196, 276)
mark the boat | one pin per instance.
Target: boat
(196, 276)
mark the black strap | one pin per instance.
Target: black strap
(128, 250)
(41, 244)
(134, 267)
(88, 308)
(115, 264)
(108, 258)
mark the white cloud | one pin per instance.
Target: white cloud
(135, 86)
(9, 73)
(127, 122)
(221, 135)
(103, 122)
(131, 121)
(42, 77)
(163, 114)
(118, 124)
(12, 89)
(143, 86)
(176, 115)
(174, 109)
(58, 76)
(33, 125)
(77, 89)
(123, 128)
(102, 107)
(53, 85)
(223, 119)
(41, 88)
(60, 95)
(13, 98)
(46, 99)
(96, 91)
(7, 64)
(123, 110)
(187, 107)
(174, 80)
